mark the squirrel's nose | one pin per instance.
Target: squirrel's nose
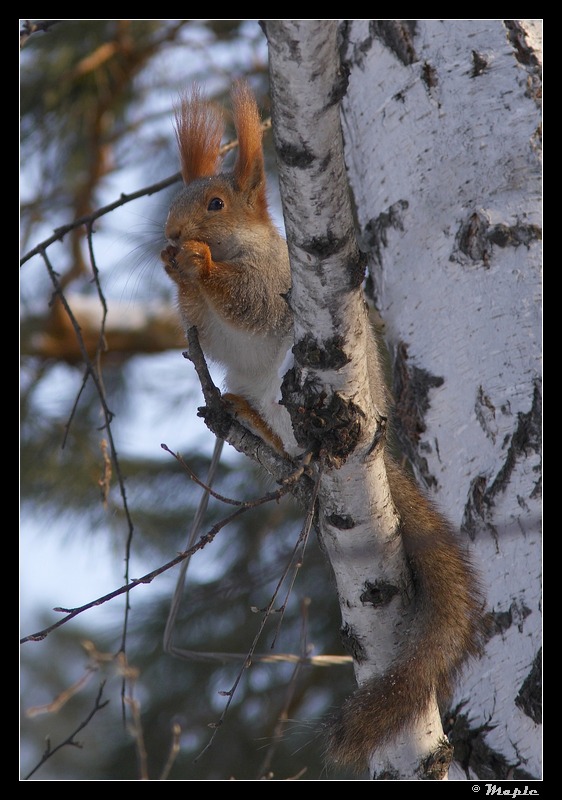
(173, 233)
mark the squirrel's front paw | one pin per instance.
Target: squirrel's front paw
(191, 260)
(168, 256)
(174, 265)
(198, 254)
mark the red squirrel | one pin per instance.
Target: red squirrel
(231, 267)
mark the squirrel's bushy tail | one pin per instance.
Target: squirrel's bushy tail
(445, 631)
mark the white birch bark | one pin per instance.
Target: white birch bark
(442, 129)
(331, 344)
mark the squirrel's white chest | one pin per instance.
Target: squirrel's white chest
(246, 356)
(254, 367)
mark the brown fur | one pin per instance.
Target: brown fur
(217, 258)
(249, 168)
(199, 130)
(445, 631)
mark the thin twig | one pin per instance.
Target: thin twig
(150, 576)
(303, 538)
(55, 705)
(195, 527)
(174, 750)
(289, 695)
(101, 348)
(70, 739)
(137, 734)
(95, 374)
(73, 410)
(301, 544)
(206, 486)
(192, 655)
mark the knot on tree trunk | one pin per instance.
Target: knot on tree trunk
(327, 425)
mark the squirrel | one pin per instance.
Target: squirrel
(230, 263)
(232, 271)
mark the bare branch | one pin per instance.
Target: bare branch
(174, 750)
(96, 375)
(219, 419)
(283, 714)
(193, 533)
(150, 576)
(137, 734)
(63, 697)
(88, 219)
(70, 739)
(299, 546)
(199, 482)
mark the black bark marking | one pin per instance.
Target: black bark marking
(517, 37)
(321, 355)
(295, 156)
(498, 622)
(375, 232)
(379, 593)
(514, 235)
(529, 699)
(355, 268)
(412, 386)
(475, 237)
(351, 644)
(474, 754)
(479, 64)
(344, 29)
(476, 509)
(526, 440)
(329, 245)
(339, 89)
(429, 75)
(386, 775)
(343, 522)
(526, 56)
(398, 36)
(472, 239)
(352, 55)
(324, 246)
(329, 426)
(486, 414)
(436, 766)
(321, 247)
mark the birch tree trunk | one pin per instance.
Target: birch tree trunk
(442, 124)
(338, 402)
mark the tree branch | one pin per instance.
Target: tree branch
(98, 705)
(221, 422)
(150, 576)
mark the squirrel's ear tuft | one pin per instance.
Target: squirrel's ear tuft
(249, 171)
(199, 131)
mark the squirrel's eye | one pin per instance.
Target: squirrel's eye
(216, 204)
